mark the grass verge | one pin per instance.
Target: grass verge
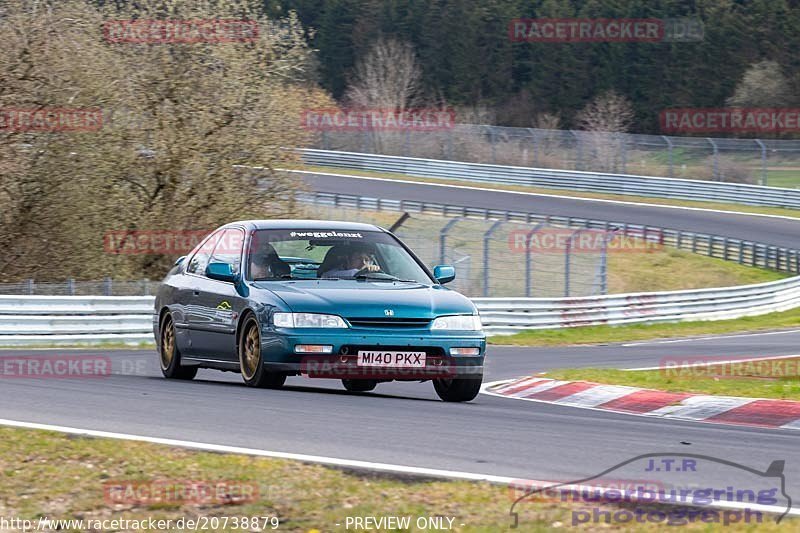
(51, 475)
(669, 269)
(741, 208)
(777, 378)
(643, 332)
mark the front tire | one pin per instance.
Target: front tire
(169, 356)
(359, 385)
(251, 360)
(458, 390)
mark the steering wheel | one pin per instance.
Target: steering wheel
(367, 270)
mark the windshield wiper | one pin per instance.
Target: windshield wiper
(381, 276)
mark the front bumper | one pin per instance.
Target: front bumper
(278, 350)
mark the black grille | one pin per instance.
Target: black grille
(380, 322)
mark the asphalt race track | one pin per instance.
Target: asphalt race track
(404, 423)
(765, 229)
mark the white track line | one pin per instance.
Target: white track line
(544, 195)
(713, 337)
(331, 461)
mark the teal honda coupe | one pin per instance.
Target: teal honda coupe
(341, 300)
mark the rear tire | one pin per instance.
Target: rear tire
(458, 390)
(251, 361)
(168, 354)
(359, 385)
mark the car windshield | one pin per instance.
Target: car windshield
(331, 254)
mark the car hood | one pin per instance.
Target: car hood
(369, 299)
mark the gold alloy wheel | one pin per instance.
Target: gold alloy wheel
(167, 344)
(251, 353)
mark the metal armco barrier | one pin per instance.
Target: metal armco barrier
(29, 320)
(626, 184)
(502, 316)
(33, 320)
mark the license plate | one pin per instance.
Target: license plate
(391, 359)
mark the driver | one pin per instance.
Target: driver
(351, 263)
(265, 264)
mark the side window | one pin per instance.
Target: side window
(229, 249)
(197, 264)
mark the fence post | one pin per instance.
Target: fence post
(528, 237)
(29, 286)
(71, 287)
(669, 154)
(578, 151)
(567, 258)
(145, 287)
(486, 237)
(763, 180)
(535, 147)
(715, 167)
(449, 149)
(442, 239)
(622, 150)
(407, 147)
(107, 287)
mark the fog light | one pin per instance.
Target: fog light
(313, 348)
(465, 351)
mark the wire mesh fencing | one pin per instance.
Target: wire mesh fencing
(771, 162)
(499, 258)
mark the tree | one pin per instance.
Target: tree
(388, 77)
(763, 84)
(606, 115)
(176, 119)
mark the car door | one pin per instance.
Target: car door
(189, 297)
(218, 304)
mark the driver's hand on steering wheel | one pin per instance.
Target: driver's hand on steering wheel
(369, 266)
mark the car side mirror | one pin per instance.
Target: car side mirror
(444, 273)
(221, 272)
(180, 260)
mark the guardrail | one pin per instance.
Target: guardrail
(626, 184)
(503, 316)
(32, 320)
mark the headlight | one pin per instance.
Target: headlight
(307, 320)
(458, 322)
